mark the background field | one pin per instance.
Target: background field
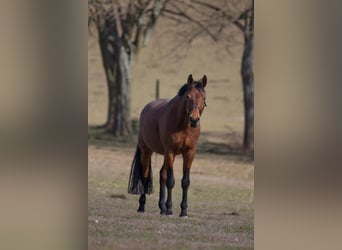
(222, 177)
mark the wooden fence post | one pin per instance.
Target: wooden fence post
(157, 89)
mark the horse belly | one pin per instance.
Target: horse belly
(153, 143)
(149, 128)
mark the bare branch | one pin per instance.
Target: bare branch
(158, 6)
(172, 17)
(244, 14)
(208, 5)
(239, 25)
(228, 17)
(195, 35)
(200, 11)
(184, 15)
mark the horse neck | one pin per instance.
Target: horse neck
(180, 112)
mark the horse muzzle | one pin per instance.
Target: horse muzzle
(194, 122)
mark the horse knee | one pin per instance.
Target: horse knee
(185, 182)
(170, 182)
(163, 175)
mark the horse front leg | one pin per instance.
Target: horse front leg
(187, 161)
(166, 178)
(170, 183)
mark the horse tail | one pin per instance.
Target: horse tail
(135, 184)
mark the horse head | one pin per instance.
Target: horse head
(195, 99)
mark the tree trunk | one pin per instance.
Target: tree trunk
(120, 39)
(248, 92)
(122, 121)
(109, 61)
(117, 66)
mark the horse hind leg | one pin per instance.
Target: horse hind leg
(146, 177)
(162, 182)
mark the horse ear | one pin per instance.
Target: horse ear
(190, 80)
(204, 81)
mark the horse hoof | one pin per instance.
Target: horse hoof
(168, 212)
(183, 215)
(163, 210)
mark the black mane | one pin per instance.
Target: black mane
(185, 88)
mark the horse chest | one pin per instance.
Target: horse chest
(183, 141)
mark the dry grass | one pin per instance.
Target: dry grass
(219, 187)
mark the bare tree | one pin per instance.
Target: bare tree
(124, 27)
(220, 19)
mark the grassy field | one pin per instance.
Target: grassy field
(220, 204)
(221, 201)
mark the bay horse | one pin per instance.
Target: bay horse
(168, 127)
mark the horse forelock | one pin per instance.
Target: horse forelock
(185, 88)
